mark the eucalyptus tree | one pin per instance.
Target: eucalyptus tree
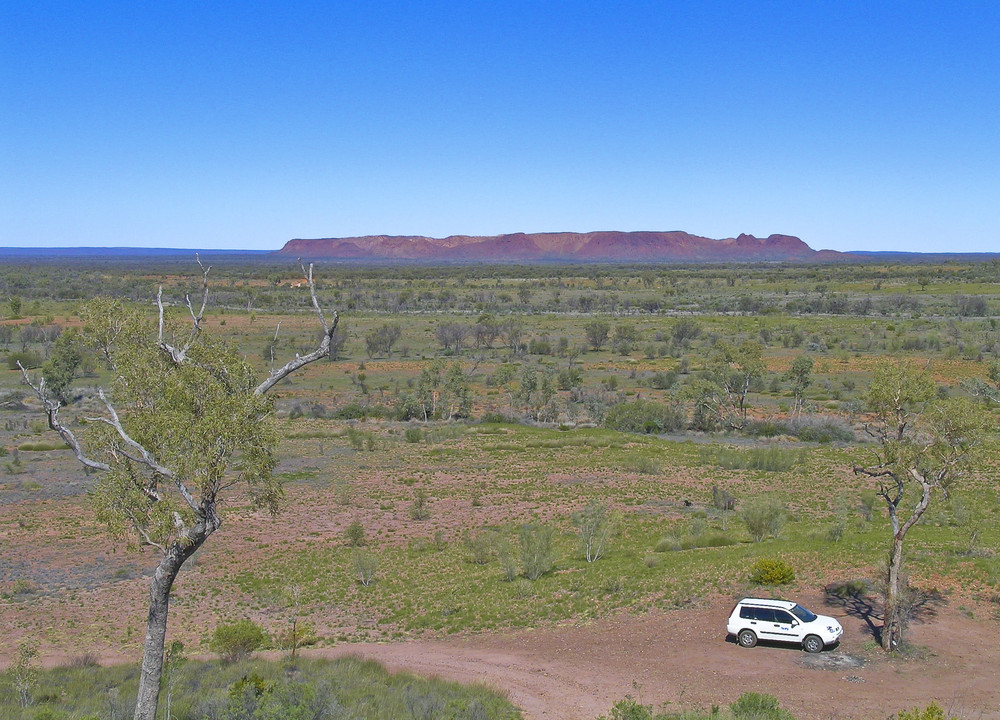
(184, 424)
(922, 446)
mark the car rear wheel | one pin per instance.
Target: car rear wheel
(748, 638)
(812, 644)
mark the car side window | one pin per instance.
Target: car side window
(748, 613)
(780, 616)
(764, 614)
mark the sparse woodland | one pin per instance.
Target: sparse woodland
(486, 448)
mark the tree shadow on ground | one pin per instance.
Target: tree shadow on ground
(855, 598)
(858, 599)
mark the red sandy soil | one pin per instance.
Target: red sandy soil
(683, 657)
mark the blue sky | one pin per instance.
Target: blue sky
(856, 126)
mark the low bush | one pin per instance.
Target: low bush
(819, 429)
(644, 416)
(536, 550)
(355, 534)
(771, 571)
(29, 360)
(237, 641)
(758, 706)
(767, 459)
(413, 435)
(346, 687)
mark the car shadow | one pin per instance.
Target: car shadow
(794, 647)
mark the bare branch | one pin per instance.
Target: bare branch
(274, 342)
(178, 355)
(52, 411)
(322, 350)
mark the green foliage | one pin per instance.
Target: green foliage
(355, 534)
(931, 712)
(196, 417)
(763, 517)
(237, 641)
(28, 359)
(413, 435)
(771, 571)
(64, 361)
(420, 509)
(596, 527)
(597, 332)
(264, 690)
(644, 416)
(629, 708)
(758, 706)
(365, 565)
(537, 556)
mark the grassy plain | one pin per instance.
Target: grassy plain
(456, 566)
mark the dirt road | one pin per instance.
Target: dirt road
(682, 657)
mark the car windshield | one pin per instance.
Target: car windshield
(802, 614)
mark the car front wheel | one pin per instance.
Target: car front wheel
(748, 638)
(812, 644)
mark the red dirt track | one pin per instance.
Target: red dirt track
(683, 657)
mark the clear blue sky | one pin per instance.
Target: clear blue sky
(854, 125)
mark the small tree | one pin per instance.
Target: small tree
(597, 332)
(736, 369)
(800, 375)
(24, 672)
(596, 526)
(185, 424)
(365, 564)
(923, 443)
(62, 365)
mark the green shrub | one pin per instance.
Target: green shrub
(758, 706)
(355, 534)
(413, 435)
(536, 550)
(629, 708)
(931, 712)
(482, 546)
(365, 565)
(644, 416)
(763, 518)
(29, 360)
(42, 446)
(237, 641)
(771, 571)
(420, 509)
(768, 459)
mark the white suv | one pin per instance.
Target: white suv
(754, 619)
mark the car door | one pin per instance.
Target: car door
(762, 623)
(784, 627)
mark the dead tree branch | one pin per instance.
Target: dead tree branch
(329, 328)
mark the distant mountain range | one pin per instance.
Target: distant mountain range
(673, 246)
(614, 247)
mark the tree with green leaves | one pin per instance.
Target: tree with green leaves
(185, 424)
(800, 375)
(923, 446)
(62, 365)
(597, 332)
(736, 368)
